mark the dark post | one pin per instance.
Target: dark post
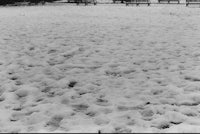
(137, 4)
(187, 2)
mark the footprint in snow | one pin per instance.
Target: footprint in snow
(102, 102)
(80, 107)
(54, 122)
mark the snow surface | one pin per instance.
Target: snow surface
(111, 68)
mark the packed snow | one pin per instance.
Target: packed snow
(104, 68)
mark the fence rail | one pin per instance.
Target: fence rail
(192, 2)
(86, 2)
(137, 2)
(168, 1)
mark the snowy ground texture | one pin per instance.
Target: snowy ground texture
(107, 67)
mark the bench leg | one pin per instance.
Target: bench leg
(137, 4)
(77, 2)
(126, 4)
(43, 2)
(148, 4)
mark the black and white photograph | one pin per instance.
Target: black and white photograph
(99, 66)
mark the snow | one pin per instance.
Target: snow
(107, 68)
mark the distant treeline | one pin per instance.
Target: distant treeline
(10, 2)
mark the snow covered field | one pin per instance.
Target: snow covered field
(107, 67)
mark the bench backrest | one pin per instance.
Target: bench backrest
(193, 1)
(138, 0)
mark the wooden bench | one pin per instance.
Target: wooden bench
(71, 1)
(122, 1)
(168, 1)
(36, 3)
(192, 2)
(137, 2)
(86, 2)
